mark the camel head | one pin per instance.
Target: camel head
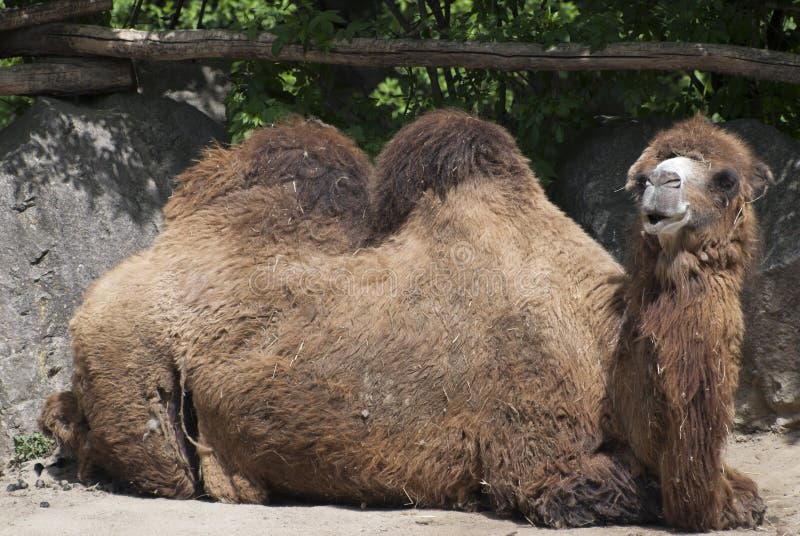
(695, 182)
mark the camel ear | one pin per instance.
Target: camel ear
(761, 180)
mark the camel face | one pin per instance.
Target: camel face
(693, 181)
(663, 206)
(682, 195)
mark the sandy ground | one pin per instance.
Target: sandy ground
(58, 509)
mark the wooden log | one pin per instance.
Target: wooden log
(67, 76)
(21, 17)
(71, 39)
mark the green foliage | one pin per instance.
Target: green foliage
(544, 110)
(12, 106)
(31, 446)
(247, 15)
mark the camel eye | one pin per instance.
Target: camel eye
(641, 180)
(727, 181)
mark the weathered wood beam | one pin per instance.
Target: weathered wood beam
(67, 76)
(21, 17)
(71, 39)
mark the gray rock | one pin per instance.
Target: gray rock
(772, 302)
(589, 190)
(590, 180)
(81, 187)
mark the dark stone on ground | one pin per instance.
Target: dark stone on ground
(18, 485)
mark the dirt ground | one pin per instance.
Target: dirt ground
(58, 505)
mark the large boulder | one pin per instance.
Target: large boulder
(81, 187)
(589, 189)
(772, 302)
(590, 180)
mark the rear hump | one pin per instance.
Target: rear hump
(437, 152)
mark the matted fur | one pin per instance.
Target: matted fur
(461, 359)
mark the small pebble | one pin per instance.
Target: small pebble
(44, 504)
(40, 483)
(21, 484)
(66, 487)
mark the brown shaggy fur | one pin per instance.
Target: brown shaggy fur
(678, 363)
(461, 359)
(295, 187)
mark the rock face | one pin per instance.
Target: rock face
(589, 190)
(590, 181)
(772, 303)
(81, 188)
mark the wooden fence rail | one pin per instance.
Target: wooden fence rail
(72, 39)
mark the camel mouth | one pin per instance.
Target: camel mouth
(659, 224)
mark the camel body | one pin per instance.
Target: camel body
(449, 343)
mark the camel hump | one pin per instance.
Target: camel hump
(63, 419)
(437, 152)
(325, 169)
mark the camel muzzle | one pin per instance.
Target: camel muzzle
(664, 209)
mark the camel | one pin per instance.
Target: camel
(677, 366)
(432, 331)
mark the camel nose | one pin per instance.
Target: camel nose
(665, 178)
(664, 195)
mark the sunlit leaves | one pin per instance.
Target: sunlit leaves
(544, 110)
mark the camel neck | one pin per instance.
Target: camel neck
(684, 330)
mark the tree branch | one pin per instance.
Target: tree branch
(33, 15)
(442, 16)
(433, 74)
(200, 16)
(176, 15)
(134, 15)
(72, 39)
(398, 16)
(67, 76)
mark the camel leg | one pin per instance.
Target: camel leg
(743, 507)
(129, 397)
(574, 491)
(222, 483)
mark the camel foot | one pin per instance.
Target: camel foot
(601, 490)
(743, 505)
